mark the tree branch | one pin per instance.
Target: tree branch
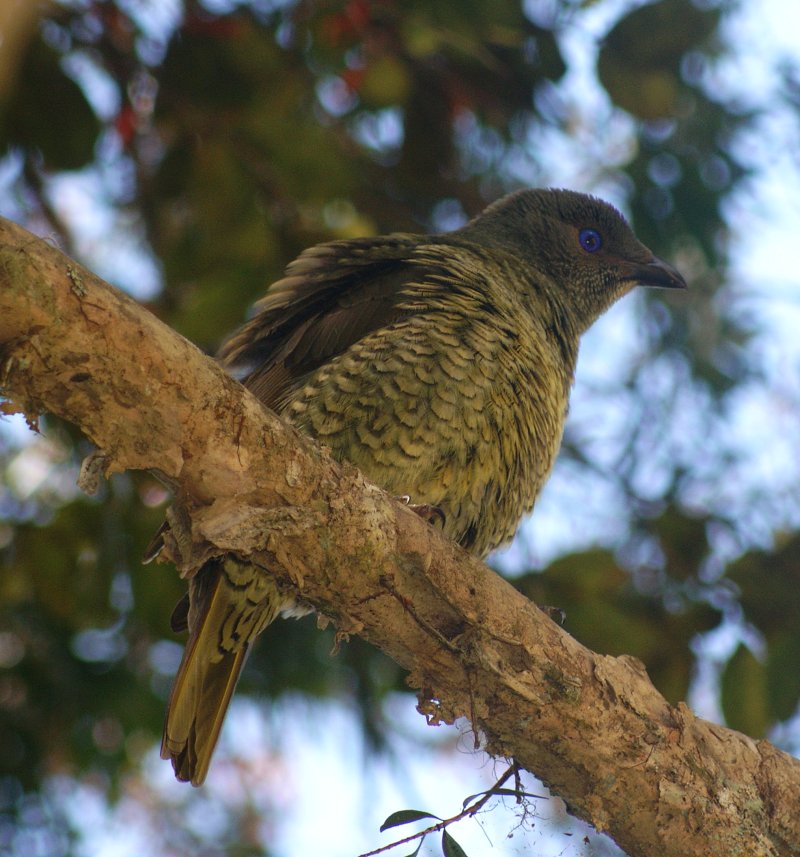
(657, 778)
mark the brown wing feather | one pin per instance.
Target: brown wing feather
(332, 295)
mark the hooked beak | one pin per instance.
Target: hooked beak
(658, 274)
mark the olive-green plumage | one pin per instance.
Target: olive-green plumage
(440, 365)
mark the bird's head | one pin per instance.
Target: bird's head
(580, 246)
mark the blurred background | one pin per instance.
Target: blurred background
(187, 151)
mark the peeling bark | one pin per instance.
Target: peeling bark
(658, 779)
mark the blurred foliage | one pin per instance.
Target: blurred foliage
(758, 691)
(643, 74)
(27, 118)
(232, 139)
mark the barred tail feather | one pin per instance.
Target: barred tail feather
(230, 603)
(196, 711)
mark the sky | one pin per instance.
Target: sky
(325, 777)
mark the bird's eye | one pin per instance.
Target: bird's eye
(590, 239)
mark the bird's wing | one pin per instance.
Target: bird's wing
(332, 295)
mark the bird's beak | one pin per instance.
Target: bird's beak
(658, 274)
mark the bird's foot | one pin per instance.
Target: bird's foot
(434, 515)
(557, 614)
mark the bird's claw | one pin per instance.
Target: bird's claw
(428, 512)
(557, 614)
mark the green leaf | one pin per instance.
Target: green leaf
(783, 680)
(639, 63)
(744, 694)
(48, 112)
(404, 816)
(451, 848)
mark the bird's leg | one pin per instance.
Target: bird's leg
(432, 514)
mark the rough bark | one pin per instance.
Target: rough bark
(657, 778)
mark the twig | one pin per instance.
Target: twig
(467, 812)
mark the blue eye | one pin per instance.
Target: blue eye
(590, 239)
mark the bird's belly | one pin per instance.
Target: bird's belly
(447, 426)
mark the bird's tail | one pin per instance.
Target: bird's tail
(230, 603)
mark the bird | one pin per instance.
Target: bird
(441, 366)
